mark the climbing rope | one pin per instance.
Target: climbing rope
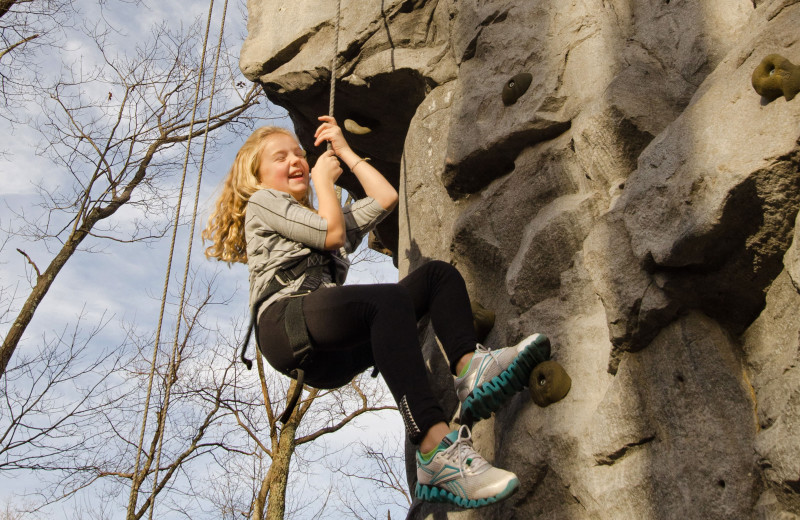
(171, 376)
(292, 394)
(332, 95)
(136, 475)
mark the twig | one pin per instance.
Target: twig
(33, 264)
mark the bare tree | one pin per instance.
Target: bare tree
(27, 29)
(12, 511)
(256, 408)
(93, 440)
(190, 401)
(380, 465)
(39, 427)
(116, 132)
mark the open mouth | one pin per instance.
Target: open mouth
(298, 175)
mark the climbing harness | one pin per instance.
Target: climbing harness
(312, 269)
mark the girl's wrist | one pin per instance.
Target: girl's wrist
(348, 156)
(324, 185)
(359, 161)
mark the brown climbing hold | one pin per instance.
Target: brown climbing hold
(482, 320)
(776, 76)
(549, 383)
(354, 128)
(374, 243)
(515, 87)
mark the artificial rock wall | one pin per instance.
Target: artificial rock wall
(637, 203)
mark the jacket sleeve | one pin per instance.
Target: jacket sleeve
(360, 218)
(280, 212)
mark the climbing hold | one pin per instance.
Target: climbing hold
(374, 243)
(515, 87)
(354, 128)
(776, 76)
(549, 383)
(482, 320)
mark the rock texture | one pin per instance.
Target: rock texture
(638, 203)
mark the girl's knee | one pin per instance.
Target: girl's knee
(441, 269)
(395, 295)
(389, 301)
(439, 265)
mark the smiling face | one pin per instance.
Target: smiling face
(283, 166)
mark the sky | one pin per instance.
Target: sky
(123, 282)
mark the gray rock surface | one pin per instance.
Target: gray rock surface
(638, 204)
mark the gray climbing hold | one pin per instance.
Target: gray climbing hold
(515, 87)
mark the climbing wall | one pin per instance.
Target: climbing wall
(602, 171)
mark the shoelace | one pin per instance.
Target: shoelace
(467, 456)
(493, 354)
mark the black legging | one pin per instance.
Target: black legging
(354, 327)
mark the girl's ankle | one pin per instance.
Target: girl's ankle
(433, 437)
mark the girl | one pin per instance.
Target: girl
(311, 326)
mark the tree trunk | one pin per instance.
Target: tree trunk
(44, 281)
(39, 291)
(279, 470)
(98, 213)
(261, 498)
(5, 6)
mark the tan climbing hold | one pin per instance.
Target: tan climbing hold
(354, 128)
(776, 76)
(549, 383)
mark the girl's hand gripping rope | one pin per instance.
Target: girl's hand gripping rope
(374, 184)
(330, 131)
(327, 170)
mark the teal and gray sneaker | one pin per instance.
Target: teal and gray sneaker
(493, 376)
(458, 474)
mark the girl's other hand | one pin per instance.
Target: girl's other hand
(329, 131)
(327, 169)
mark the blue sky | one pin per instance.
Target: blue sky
(123, 282)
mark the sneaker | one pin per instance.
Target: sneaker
(494, 376)
(459, 475)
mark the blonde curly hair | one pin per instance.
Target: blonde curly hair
(225, 228)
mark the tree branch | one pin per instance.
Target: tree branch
(21, 42)
(33, 264)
